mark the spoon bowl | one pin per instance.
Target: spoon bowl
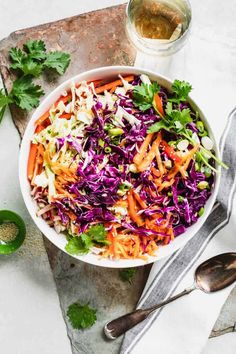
(216, 273)
(212, 275)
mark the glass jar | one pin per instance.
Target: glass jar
(158, 27)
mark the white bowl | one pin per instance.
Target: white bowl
(59, 239)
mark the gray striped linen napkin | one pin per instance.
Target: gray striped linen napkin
(184, 326)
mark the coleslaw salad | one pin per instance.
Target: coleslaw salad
(107, 75)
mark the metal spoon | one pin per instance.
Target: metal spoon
(212, 275)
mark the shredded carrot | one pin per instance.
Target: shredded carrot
(63, 99)
(31, 160)
(155, 172)
(96, 83)
(66, 115)
(143, 149)
(158, 155)
(45, 116)
(121, 203)
(146, 161)
(139, 200)
(132, 209)
(183, 168)
(41, 119)
(158, 103)
(113, 84)
(150, 156)
(38, 129)
(166, 184)
(190, 156)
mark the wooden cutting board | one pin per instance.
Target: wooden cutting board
(93, 39)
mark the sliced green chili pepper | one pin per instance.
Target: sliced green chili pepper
(7, 216)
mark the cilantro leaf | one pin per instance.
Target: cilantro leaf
(143, 95)
(81, 316)
(17, 56)
(36, 49)
(175, 120)
(4, 99)
(34, 59)
(158, 126)
(25, 94)
(29, 63)
(98, 234)
(24, 63)
(82, 244)
(58, 61)
(29, 67)
(78, 245)
(181, 90)
(127, 274)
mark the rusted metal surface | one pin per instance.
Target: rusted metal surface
(93, 39)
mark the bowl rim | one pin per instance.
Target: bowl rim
(59, 240)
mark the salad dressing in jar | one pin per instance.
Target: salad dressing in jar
(158, 27)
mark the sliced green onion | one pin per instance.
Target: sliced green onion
(180, 199)
(203, 185)
(201, 211)
(170, 194)
(101, 142)
(107, 150)
(172, 143)
(197, 166)
(207, 172)
(202, 134)
(115, 132)
(124, 188)
(200, 126)
(221, 163)
(108, 126)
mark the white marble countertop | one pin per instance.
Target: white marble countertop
(30, 319)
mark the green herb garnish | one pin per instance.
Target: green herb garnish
(127, 274)
(143, 95)
(58, 61)
(27, 63)
(25, 93)
(81, 245)
(201, 211)
(181, 90)
(124, 188)
(174, 120)
(81, 316)
(33, 59)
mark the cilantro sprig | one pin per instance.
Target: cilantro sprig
(80, 245)
(174, 121)
(143, 95)
(81, 316)
(181, 90)
(28, 63)
(33, 59)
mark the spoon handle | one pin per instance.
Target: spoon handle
(120, 325)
